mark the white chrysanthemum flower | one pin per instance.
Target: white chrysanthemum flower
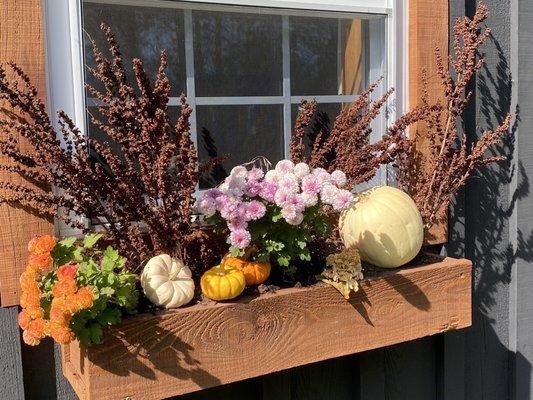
(328, 193)
(239, 172)
(309, 199)
(273, 176)
(284, 166)
(339, 178)
(301, 170)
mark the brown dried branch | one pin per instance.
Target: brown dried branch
(139, 182)
(450, 161)
(347, 146)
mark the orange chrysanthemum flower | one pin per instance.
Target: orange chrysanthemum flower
(61, 334)
(42, 244)
(59, 317)
(35, 311)
(28, 282)
(59, 303)
(37, 328)
(30, 299)
(67, 271)
(29, 339)
(41, 263)
(24, 320)
(64, 288)
(85, 297)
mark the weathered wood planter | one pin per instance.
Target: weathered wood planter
(189, 349)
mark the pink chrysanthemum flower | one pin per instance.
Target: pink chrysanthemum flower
(212, 193)
(282, 197)
(255, 210)
(252, 188)
(342, 200)
(309, 199)
(268, 190)
(239, 172)
(311, 184)
(207, 206)
(240, 238)
(255, 174)
(237, 223)
(289, 182)
(273, 176)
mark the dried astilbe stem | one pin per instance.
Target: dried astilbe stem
(139, 182)
(347, 146)
(451, 160)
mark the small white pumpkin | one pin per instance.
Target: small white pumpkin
(167, 282)
(385, 225)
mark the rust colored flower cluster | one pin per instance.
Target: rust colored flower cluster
(433, 177)
(67, 299)
(138, 183)
(31, 318)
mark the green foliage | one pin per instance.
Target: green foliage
(279, 242)
(103, 270)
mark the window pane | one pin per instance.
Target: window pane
(331, 56)
(141, 32)
(242, 133)
(237, 54)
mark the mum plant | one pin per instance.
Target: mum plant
(273, 215)
(73, 289)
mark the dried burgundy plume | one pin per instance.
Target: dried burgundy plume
(138, 183)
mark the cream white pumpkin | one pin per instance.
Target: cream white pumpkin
(385, 225)
(167, 282)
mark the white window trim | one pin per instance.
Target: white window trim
(64, 54)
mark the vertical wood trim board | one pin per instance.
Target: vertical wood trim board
(428, 27)
(21, 40)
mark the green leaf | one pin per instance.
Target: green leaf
(107, 291)
(68, 241)
(305, 255)
(111, 253)
(276, 217)
(236, 252)
(110, 316)
(283, 261)
(78, 253)
(90, 240)
(301, 244)
(95, 333)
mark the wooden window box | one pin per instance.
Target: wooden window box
(189, 349)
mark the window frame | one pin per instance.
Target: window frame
(65, 69)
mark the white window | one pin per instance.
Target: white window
(244, 65)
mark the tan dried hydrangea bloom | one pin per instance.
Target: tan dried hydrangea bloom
(344, 271)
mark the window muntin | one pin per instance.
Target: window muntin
(245, 69)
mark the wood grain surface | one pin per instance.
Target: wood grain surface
(189, 349)
(428, 28)
(21, 40)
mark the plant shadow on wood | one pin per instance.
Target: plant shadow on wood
(144, 348)
(403, 285)
(479, 230)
